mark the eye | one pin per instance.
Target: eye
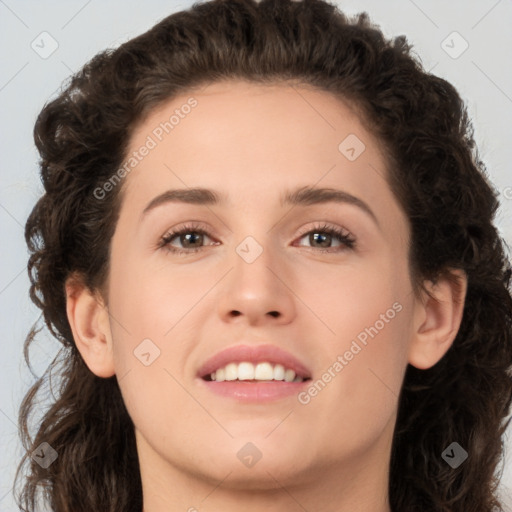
(191, 237)
(325, 234)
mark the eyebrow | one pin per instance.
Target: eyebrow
(303, 196)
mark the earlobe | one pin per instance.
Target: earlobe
(90, 325)
(437, 319)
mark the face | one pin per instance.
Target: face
(324, 280)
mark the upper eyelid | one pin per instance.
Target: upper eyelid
(327, 226)
(193, 226)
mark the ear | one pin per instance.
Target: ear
(90, 325)
(437, 319)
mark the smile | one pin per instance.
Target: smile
(262, 372)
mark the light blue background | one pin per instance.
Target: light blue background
(482, 74)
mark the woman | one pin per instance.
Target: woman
(214, 356)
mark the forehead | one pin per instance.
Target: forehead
(245, 134)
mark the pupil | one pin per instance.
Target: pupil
(317, 235)
(187, 238)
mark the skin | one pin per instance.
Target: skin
(253, 142)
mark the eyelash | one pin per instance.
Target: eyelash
(342, 236)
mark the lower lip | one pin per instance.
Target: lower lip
(255, 391)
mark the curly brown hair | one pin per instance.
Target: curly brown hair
(436, 175)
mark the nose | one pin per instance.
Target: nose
(259, 287)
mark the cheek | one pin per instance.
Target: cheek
(146, 306)
(154, 320)
(371, 347)
(358, 300)
(369, 310)
(149, 297)
(356, 395)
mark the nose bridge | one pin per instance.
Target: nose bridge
(253, 289)
(253, 237)
(253, 262)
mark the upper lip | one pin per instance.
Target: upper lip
(254, 354)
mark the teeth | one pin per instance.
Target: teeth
(289, 375)
(262, 371)
(245, 371)
(232, 371)
(279, 372)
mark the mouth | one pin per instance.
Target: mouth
(254, 373)
(246, 371)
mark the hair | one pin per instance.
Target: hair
(434, 171)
